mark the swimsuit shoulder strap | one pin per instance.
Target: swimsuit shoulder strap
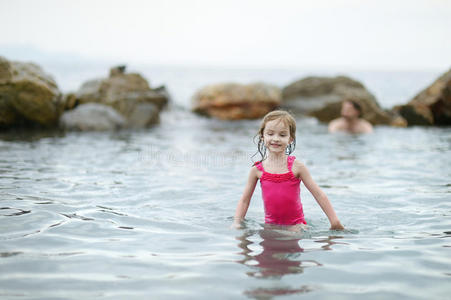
(259, 166)
(290, 161)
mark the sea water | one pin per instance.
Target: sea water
(147, 214)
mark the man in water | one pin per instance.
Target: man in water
(350, 120)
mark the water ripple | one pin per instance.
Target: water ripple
(134, 214)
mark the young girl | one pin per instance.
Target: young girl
(280, 176)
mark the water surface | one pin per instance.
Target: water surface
(147, 214)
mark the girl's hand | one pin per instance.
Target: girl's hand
(236, 225)
(336, 226)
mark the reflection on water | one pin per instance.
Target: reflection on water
(330, 240)
(267, 293)
(279, 254)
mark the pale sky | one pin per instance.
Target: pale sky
(383, 34)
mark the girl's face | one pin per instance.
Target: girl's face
(276, 136)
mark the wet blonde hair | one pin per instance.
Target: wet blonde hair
(284, 117)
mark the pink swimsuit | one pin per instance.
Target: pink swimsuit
(281, 196)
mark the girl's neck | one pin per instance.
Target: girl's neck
(274, 157)
(276, 163)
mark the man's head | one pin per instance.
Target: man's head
(350, 109)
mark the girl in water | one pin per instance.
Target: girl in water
(280, 176)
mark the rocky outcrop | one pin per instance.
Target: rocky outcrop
(28, 95)
(128, 93)
(321, 97)
(432, 106)
(92, 117)
(143, 115)
(233, 101)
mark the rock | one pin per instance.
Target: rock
(119, 70)
(121, 87)
(321, 97)
(92, 117)
(432, 106)
(125, 92)
(143, 115)
(8, 115)
(415, 114)
(28, 95)
(398, 121)
(232, 101)
(70, 101)
(441, 109)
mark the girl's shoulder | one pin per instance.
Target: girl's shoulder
(297, 162)
(298, 167)
(257, 169)
(258, 165)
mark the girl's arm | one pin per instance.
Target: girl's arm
(319, 195)
(243, 203)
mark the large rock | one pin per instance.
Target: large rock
(28, 95)
(92, 117)
(233, 101)
(432, 106)
(125, 92)
(143, 115)
(321, 97)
